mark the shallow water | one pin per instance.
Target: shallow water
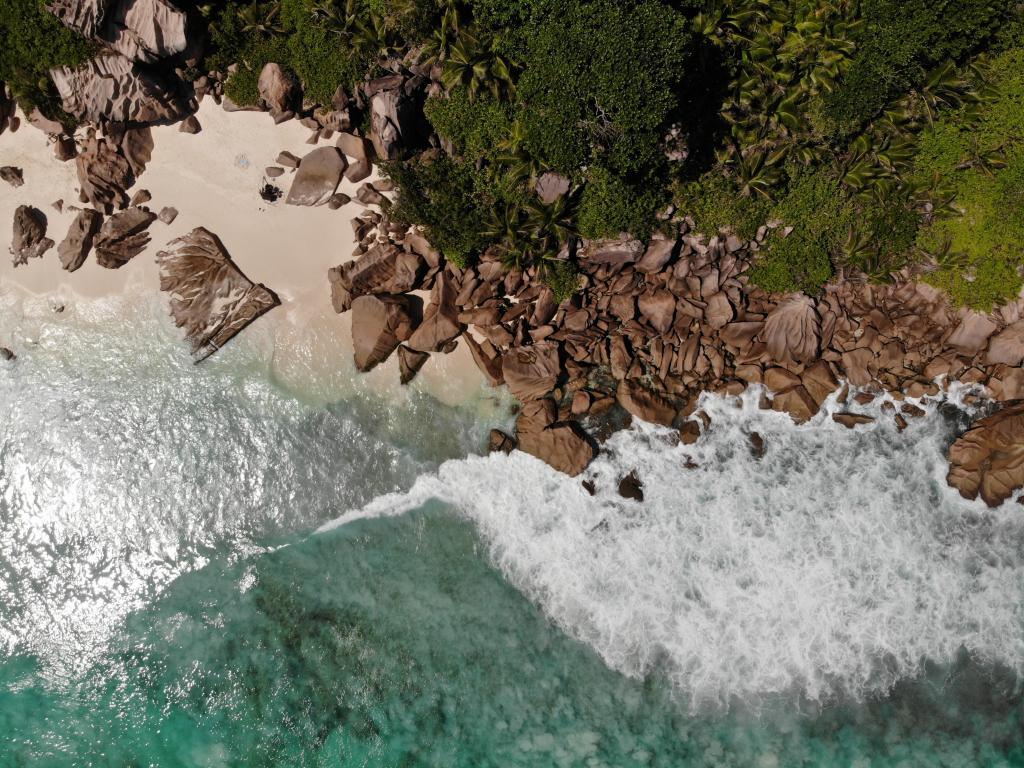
(199, 568)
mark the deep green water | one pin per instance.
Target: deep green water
(166, 601)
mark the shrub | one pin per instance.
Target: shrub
(475, 128)
(979, 156)
(896, 45)
(821, 216)
(602, 74)
(611, 205)
(440, 194)
(33, 43)
(715, 204)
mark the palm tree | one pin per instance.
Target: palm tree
(475, 61)
(262, 18)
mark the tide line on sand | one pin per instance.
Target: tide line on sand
(213, 179)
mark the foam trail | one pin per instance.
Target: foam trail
(835, 565)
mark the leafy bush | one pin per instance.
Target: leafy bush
(602, 74)
(897, 43)
(33, 43)
(715, 204)
(476, 129)
(821, 216)
(440, 194)
(611, 205)
(978, 154)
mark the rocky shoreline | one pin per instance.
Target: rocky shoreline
(650, 327)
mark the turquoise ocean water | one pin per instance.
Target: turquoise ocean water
(199, 568)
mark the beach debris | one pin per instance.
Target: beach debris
(988, 459)
(167, 214)
(29, 240)
(13, 176)
(6, 354)
(123, 237)
(210, 297)
(76, 245)
(318, 177)
(270, 192)
(380, 324)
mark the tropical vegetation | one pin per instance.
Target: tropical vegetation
(876, 136)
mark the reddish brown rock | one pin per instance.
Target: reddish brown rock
(851, 420)
(498, 441)
(562, 445)
(644, 403)
(658, 309)
(487, 358)
(379, 325)
(440, 320)
(75, 247)
(989, 458)
(797, 402)
(532, 372)
(689, 433)
(123, 237)
(104, 175)
(210, 297)
(318, 177)
(279, 89)
(1007, 346)
(29, 240)
(409, 363)
(719, 311)
(792, 330)
(819, 381)
(972, 334)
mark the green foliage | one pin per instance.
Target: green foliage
(601, 77)
(290, 33)
(441, 195)
(33, 42)
(978, 156)
(475, 128)
(611, 205)
(897, 44)
(715, 204)
(562, 278)
(821, 216)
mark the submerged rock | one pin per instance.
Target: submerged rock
(75, 247)
(988, 459)
(210, 297)
(29, 240)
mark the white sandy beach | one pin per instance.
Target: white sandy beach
(213, 179)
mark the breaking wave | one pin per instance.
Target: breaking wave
(836, 565)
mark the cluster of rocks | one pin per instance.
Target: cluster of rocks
(655, 325)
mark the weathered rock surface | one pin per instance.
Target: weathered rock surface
(13, 176)
(410, 362)
(551, 186)
(1007, 347)
(396, 117)
(645, 403)
(147, 30)
(792, 330)
(30, 240)
(75, 247)
(562, 445)
(123, 237)
(531, 372)
(83, 16)
(318, 177)
(380, 324)
(104, 174)
(112, 88)
(279, 89)
(210, 297)
(988, 459)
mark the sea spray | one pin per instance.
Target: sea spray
(836, 564)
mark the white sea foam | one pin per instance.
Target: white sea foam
(836, 564)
